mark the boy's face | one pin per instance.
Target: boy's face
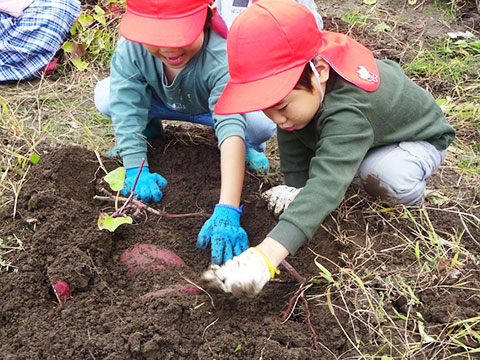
(176, 58)
(297, 109)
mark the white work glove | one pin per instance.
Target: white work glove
(244, 275)
(279, 197)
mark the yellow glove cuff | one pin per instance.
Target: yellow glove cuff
(273, 269)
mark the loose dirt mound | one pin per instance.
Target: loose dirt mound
(107, 318)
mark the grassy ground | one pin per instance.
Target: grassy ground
(56, 112)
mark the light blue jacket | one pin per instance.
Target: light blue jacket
(136, 76)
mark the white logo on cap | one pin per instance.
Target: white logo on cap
(364, 74)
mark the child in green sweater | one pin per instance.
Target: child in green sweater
(339, 113)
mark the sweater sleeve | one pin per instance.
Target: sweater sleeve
(294, 158)
(225, 125)
(130, 99)
(345, 136)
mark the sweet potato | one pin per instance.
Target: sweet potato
(149, 257)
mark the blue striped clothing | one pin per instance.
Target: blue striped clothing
(29, 42)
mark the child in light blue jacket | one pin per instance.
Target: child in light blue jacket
(172, 65)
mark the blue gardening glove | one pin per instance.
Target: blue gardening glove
(223, 230)
(149, 185)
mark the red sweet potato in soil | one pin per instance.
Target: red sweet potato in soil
(62, 291)
(149, 256)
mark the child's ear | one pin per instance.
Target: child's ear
(323, 68)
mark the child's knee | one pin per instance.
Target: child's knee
(393, 175)
(102, 96)
(394, 191)
(397, 172)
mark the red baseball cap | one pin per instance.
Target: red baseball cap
(164, 23)
(269, 45)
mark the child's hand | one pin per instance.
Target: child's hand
(224, 232)
(149, 185)
(279, 197)
(244, 275)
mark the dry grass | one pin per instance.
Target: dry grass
(35, 116)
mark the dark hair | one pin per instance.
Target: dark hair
(305, 81)
(208, 21)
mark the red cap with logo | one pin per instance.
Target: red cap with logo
(269, 45)
(164, 23)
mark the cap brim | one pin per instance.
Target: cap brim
(350, 59)
(238, 98)
(177, 32)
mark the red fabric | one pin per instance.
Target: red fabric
(219, 25)
(50, 66)
(164, 23)
(268, 47)
(351, 60)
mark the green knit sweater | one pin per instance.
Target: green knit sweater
(324, 156)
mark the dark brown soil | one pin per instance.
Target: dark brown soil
(107, 317)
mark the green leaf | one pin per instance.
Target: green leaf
(327, 275)
(73, 29)
(100, 18)
(421, 329)
(34, 158)
(438, 199)
(369, 2)
(80, 64)
(382, 27)
(67, 46)
(99, 10)
(461, 43)
(238, 348)
(105, 221)
(3, 105)
(85, 20)
(116, 178)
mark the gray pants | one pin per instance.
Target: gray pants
(397, 173)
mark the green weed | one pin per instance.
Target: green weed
(355, 17)
(448, 8)
(93, 35)
(456, 63)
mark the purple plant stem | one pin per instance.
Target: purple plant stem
(182, 215)
(309, 321)
(291, 270)
(120, 212)
(138, 205)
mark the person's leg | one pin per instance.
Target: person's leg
(158, 111)
(101, 96)
(31, 40)
(154, 129)
(397, 173)
(259, 129)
